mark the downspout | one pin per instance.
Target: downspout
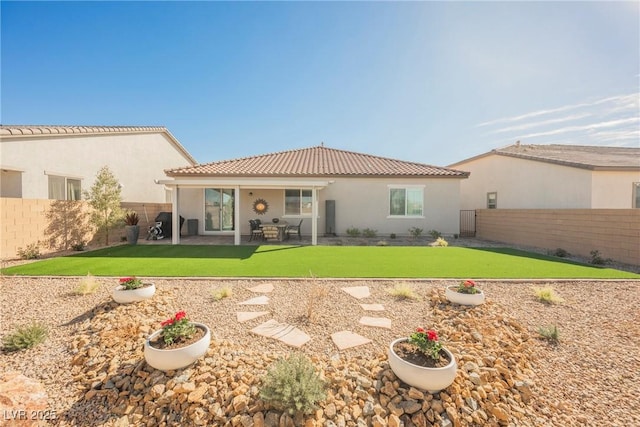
(236, 216)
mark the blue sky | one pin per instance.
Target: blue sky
(433, 82)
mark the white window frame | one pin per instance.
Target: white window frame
(405, 187)
(301, 213)
(66, 185)
(493, 205)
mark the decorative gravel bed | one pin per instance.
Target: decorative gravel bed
(93, 371)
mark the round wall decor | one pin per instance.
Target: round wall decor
(260, 206)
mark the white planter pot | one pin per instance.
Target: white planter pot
(431, 379)
(463, 299)
(176, 358)
(125, 296)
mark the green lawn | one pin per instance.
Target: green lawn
(321, 261)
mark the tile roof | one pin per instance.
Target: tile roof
(582, 156)
(32, 131)
(316, 161)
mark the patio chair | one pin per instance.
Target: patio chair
(294, 229)
(256, 231)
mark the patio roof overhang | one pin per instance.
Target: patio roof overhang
(243, 182)
(240, 183)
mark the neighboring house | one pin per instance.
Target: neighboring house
(60, 162)
(330, 190)
(552, 177)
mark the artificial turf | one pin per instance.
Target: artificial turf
(319, 261)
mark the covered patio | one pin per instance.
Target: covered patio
(236, 201)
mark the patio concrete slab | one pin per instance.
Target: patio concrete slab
(261, 300)
(245, 316)
(372, 307)
(347, 339)
(376, 322)
(288, 334)
(263, 288)
(358, 292)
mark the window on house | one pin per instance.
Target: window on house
(63, 188)
(636, 195)
(492, 200)
(406, 201)
(298, 202)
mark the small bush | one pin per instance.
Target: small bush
(292, 385)
(87, 285)
(596, 258)
(353, 232)
(218, 294)
(435, 234)
(317, 293)
(25, 337)
(78, 247)
(402, 291)
(561, 253)
(382, 243)
(441, 242)
(415, 232)
(550, 333)
(392, 235)
(32, 251)
(547, 295)
(368, 232)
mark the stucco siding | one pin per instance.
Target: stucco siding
(524, 184)
(613, 190)
(136, 159)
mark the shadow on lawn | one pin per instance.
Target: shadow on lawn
(534, 255)
(172, 251)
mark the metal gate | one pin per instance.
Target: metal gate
(468, 223)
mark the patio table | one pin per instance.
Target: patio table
(273, 231)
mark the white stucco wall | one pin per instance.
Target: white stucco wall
(524, 184)
(613, 189)
(136, 159)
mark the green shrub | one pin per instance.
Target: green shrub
(435, 234)
(415, 232)
(550, 333)
(25, 337)
(292, 385)
(561, 253)
(353, 232)
(368, 232)
(78, 247)
(87, 285)
(32, 251)
(547, 295)
(596, 258)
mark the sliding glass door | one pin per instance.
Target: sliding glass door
(218, 209)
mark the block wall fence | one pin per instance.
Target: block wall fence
(613, 232)
(27, 221)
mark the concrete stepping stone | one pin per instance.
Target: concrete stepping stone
(261, 300)
(372, 307)
(376, 322)
(288, 334)
(263, 288)
(245, 316)
(358, 292)
(347, 339)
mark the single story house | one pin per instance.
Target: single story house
(60, 162)
(330, 190)
(523, 176)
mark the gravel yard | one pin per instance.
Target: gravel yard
(591, 378)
